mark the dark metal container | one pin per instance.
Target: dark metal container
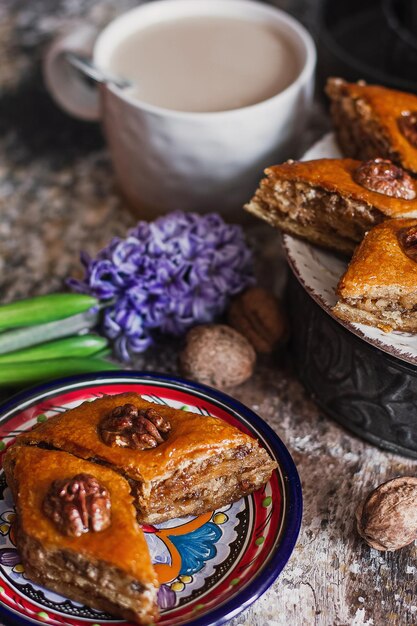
(373, 40)
(368, 391)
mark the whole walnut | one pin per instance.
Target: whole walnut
(217, 355)
(258, 316)
(387, 519)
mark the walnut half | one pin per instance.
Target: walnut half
(127, 426)
(78, 505)
(384, 177)
(407, 124)
(408, 241)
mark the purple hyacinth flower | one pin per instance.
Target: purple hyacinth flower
(164, 277)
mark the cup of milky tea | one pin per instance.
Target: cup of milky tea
(219, 89)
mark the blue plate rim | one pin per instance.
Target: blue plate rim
(256, 588)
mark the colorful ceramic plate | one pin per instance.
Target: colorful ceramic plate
(319, 272)
(210, 567)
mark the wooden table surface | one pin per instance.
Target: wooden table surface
(57, 197)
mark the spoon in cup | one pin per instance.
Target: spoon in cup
(87, 67)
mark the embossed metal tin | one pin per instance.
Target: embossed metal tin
(370, 392)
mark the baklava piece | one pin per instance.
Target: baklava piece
(333, 202)
(379, 287)
(77, 533)
(177, 462)
(372, 121)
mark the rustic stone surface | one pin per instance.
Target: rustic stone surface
(58, 196)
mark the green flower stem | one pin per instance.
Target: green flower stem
(74, 346)
(43, 309)
(20, 374)
(20, 338)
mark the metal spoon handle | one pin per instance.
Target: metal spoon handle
(87, 67)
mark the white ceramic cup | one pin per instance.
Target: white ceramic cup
(165, 159)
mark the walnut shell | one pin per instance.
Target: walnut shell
(387, 519)
(258, 316)
(217, 355)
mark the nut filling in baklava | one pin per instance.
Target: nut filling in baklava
(177, 462)
(333, 202)
(380, 285)
(212, 483)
